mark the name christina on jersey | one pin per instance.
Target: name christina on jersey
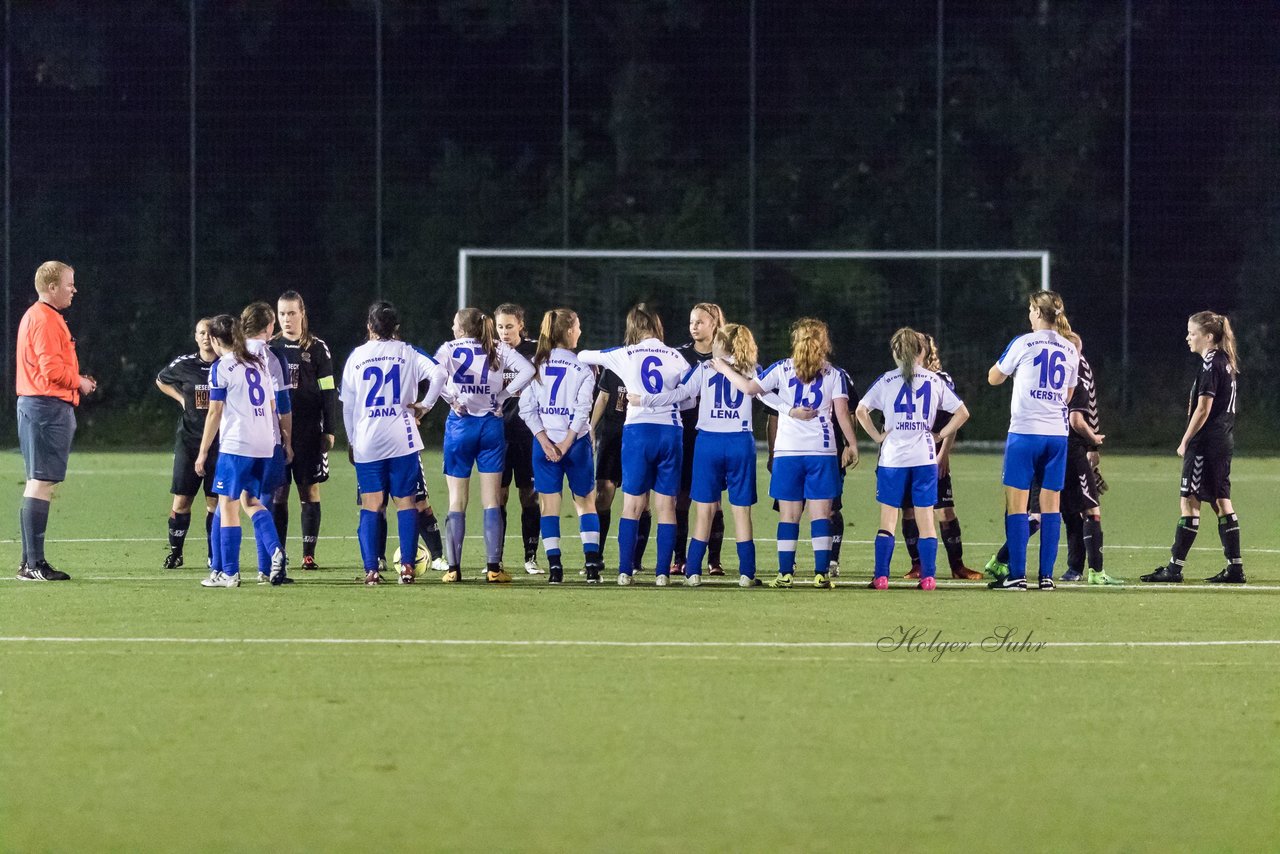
(910, 426)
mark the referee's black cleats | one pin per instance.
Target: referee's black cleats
(1233, 574)
(173, 560)
(1165, 575)
(40, 571)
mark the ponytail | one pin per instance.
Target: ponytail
(256, 318)
(642, 322)
(734, 343)
(1049, 305)
(474, 323)
(1218, 326)
(553, 333)
(810, 346)
(929, 346)
(907, 346)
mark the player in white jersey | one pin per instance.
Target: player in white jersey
(474, 364)
(806, 464)
(380, 409)
(909, 398)
(556, 407)
(1043, 364)
(243, 401)
(651, 436)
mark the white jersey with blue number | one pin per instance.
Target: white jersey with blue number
(721, 407)
(278, 367)
(249, 425)
(475, 385)
(1043, 366)
(909, 413)
(815, 437)
(559, 399)
(379, 385)
(649, 367)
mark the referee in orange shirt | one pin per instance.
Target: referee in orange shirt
(49, 387)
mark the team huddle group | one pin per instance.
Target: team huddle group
(672, 427)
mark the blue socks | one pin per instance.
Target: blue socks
(884, 552)
(693, 556)
(666, 548)
(493, 531)
(628, 529)
(455, 528)
(407, 523)
(215, 541)
(1050, 534)
(230, 550)
(820, 533)
(367, 534)
(551, 537)
(788, 534)
(589, 528)
(1016, 533)
(747, 558)
(264, 532)
(928, 556)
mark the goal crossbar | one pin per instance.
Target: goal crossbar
(465, 255)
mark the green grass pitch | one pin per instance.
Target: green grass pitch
(328, 716)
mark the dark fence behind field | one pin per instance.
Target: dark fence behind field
(188, 156)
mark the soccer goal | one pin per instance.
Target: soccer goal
(972, 301)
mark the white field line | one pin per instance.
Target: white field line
(447, 642)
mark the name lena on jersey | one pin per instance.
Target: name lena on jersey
(724, 413)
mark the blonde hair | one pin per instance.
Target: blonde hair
(478, 325)
(1218, 327)
(1049, 304)
(929, 346)
(810, 346)
(554, 332)
(49, 274)
(715, 312)
(642, 322)
(735, 343)
(907, 345)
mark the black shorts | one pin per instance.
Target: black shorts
(690, 438)
(1080, 489)
(310, 463)
(1206, 471)
(519, 463)
(609, 456)
(185, 481)
(46, 426)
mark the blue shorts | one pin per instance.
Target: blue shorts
(577, 465)
(1042, 458)
(236, 474)
(724, 461)
(651, 457)
(907, 486)
(474, 440)
(805, 478)
(45, 428)
(399, 475)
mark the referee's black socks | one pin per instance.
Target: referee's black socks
(1229, 533)
(1183, 537)
(530, 530)
(179, 523)
(310, 527)
(280, 515)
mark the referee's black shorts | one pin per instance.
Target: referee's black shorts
(185, 481)
(310, 460)
(608, 455)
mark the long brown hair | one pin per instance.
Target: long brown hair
(642, 322)
(1218, 327)
(932, 361)
(230, 334)
(1049, 304)
(254, 319)
(810, 346)
(736, 342)
(307, 339)
(474, 323)
(554, 333)
(907, 345)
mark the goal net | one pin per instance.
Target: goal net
(973, 302)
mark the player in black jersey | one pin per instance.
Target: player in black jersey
(705, 319)
(508, 320)
(607, 418)
(945, 509)
(186, 380)
(1206, 449)
(315, 416)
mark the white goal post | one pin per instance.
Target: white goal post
(465, 256)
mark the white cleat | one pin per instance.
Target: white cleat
(745, 581)
(263, 578)
(439, 564)
(218, 579)
(531, 567)
(834, 568)
(624, 580)
(693, 580)
(662, 581)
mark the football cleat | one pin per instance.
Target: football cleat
(715, 569)
(929, 583)
(995, 569)
(382, 564)
(309, 564)
(278, 575)
(914, 572)
(452, 575)
(555, 575)
(784, 579)
(531, 566)
(1073, 575)
(40, 571)
(1008, 583)
(1164, 574)
(1046, 582)
(749, 581)
(966, 573)
(173, 560)
(1233, 574)
(834, 568)
(219, 579)
(439, 564)
(497, 576)
(1098, 576)
(880, 582)
(372, 578)
(677, 567)
(662, 581)
(693, 580)
(624, 579)
(406, 573)
(263, 578)
(822, 581)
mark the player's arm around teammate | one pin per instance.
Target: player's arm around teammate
(909, 399)
(508, 320)
(705, 320)
(1206, 449)
(556, 408)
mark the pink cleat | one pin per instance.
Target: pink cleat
(928, 583)
(880, 583)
